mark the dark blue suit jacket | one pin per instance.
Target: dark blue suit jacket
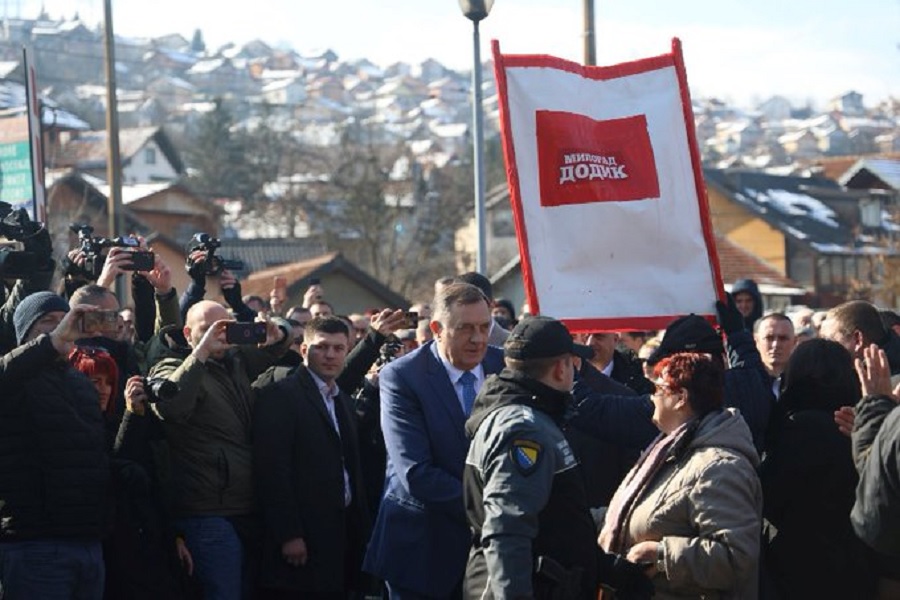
(421, 540)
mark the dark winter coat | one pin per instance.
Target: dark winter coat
(809, 486)
(54, 469)
(208, 425)
(299, 462)
(876, 449)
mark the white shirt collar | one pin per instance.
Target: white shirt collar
(326, 390)
(607, 370)
(455, 373)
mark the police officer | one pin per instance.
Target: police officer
(523, 487)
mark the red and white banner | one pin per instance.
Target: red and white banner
(607, 192)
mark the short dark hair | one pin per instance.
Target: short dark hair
(251, 298)
(819, 374)
(455, 294)
(858, 315)
(772, 316)
(298, 308)
(700, 374)
(326, 303)
(479, 281)
(533, 368)
(325, 324)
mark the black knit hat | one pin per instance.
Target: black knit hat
(688, 334)
(34, 307)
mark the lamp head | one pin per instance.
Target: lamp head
(476, 10)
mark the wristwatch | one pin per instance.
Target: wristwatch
(661, 558)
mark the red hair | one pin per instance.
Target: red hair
(97, 362)
(700, 374)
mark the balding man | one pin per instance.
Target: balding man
(208, 427)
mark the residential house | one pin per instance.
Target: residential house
(500, 234)
(882, 173)
(172, 210)
(171, 92)
(221, 76)
(776, 108)
(850, 104)
(824, 237)
(172, 41)
(347, 287)
(285, 92)
(800, 144)
(147, 155)
(162, 62)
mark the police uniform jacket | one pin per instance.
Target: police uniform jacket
(524, 492)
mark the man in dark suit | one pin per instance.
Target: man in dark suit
(309, 485)
(421, 540)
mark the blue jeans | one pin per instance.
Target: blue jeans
(51, 570)
(217, 554)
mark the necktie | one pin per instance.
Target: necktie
(467, 380)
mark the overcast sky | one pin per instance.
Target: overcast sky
(737, 50)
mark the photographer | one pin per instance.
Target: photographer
(208, 426)
(156, 302)
(53, 461)
(202, 263)
(24, 271)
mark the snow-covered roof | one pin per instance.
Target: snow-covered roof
(793, 203)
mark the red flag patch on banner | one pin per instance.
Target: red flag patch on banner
(585, 160)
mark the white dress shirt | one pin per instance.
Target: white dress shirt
(454, 374)
(328, 394)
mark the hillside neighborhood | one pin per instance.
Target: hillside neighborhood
(802, 199)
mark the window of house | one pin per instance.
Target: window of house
(870, 212)
(801, 269)
(850, 269)
(150, 156)
(837, 270)
(823, 267)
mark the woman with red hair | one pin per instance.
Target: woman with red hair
(100, 367)
(691, 508)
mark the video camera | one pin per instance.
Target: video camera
(388, 351)
(159, 388)
(214, 265)
(92, 247)
(17, 259)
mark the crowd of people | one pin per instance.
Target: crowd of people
(186, 448)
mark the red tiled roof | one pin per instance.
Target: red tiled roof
(835, 166)
(736, 263)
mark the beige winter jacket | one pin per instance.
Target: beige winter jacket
(705, 505)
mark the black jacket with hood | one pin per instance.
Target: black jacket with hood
(749, 286)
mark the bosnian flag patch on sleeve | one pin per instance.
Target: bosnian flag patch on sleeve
(525, 454)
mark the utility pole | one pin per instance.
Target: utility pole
(590, 46)
(114, 159)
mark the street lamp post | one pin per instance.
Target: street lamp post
(476, 11)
